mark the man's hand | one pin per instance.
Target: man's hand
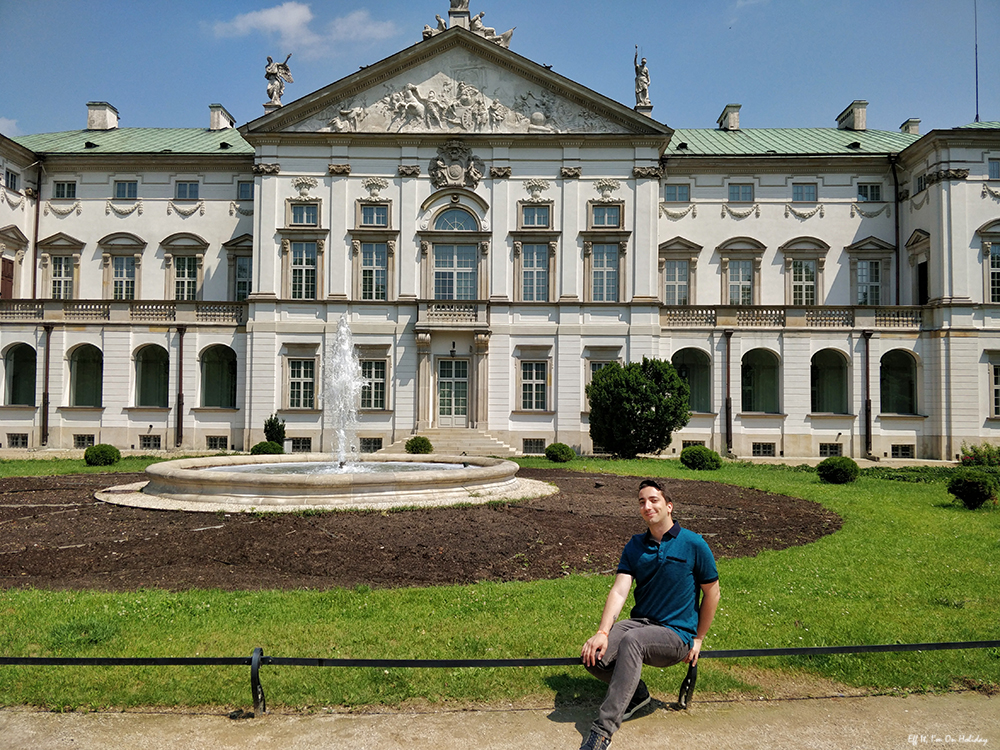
(692, 655)
(594, 648)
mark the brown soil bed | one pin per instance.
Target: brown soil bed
(55, 535)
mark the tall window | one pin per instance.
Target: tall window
(218, 377)
(244, 276)
(869, 282)
(803, 282)
(374, 270)
(373, 391)
(152, 376)
(675, 273)
(302, 384)
(12, 180)
(898, 382)
(126, 190)
(869, 192)
(86, 376)
(123, 271)
(19, 370)
(804, 193)
(535, 273)
(694, 366)
(533, 386)
(828, 382)
(995, 273)
(455, 272)
(995, 386)
(244, 190)
(741, 282)
(186, 191)
(740, 193)
(303, 270)
(185, 277)
(760, 382)
(604, 272)
(62, 277)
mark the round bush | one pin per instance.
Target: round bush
(419, 444)
(267, 448)
(973, 488)
(102, 454)
(700, 458)
(559, 453)
(837, 470)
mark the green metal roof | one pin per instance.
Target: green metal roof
(982, 125)
(138, 141)
(786, 142)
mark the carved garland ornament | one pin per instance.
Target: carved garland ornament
(647, 173)
(856, 209)
(338, 169)
(571, 173)
(500, 173)
(236, 209)
(692, 209)
(19, 203)
(790, 210)
(946, 174)
(409, 170)
(136, 207)
(78, 207)
(987, 190)
(741, 214)
(199, 208)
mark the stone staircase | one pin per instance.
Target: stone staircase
(455, 442)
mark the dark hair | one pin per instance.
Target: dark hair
(656, 486)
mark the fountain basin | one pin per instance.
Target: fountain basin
(187, 485)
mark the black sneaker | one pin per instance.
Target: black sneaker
(640, 698)
(595, 742)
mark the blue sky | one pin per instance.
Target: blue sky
(790, 63)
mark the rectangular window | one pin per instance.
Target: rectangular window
(244, 190)
(995, 368)
(374, 270)
(185, 277)
(535, 273)
(305, 214)
(869, 192)
(17, 439)
(676, 274)
(374, 216)
(82, 442)
(123, 268)
(217, 442)
(741, 282)
(149, 442)
(536, 217)
(763, 450)
(455, 272)
(994, 169)
(373, 391)
(370, 444)
(803, 282)
(532, 446)
(904, 451)
(62, 277)
(126, 190)
(605, 273)
(804, 193)
(869, 282)
(304, 270)
(740, 193)
(533, 385)
(301, 383)
(12, 180)
(607, 217)
(244, 275)
(302, 445)
(830, 449)
(186, 191)
(921, 183)
(64, 190)
(677, 193)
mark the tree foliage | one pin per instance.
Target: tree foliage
(635, 408)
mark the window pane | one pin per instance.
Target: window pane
(995, 169)
(741, 193)
(187, 191)
(305, 214)
(375, 216)
(126, 190)
(607, 216)
(244, 191)
(373, 391)
(152, 376)
(124, 277)
(675, 273)
(303, 270)
(244, 274)
(535, 273)
(535, 216)
(605, 273)
(456, 220)
(676, 193)
(185, 277)
(374, 270)
(62, 277)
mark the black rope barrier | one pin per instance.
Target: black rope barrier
(258, 659)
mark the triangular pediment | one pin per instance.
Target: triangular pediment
(13, 236)
(455, 84)
(918, 237)
(60, 241)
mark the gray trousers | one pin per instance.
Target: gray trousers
(631, 644)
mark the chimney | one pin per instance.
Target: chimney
(853, 118)
(101, 116)
(730, 117)
(910, 127)
(219, 118)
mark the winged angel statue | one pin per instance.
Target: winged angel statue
(276, 74)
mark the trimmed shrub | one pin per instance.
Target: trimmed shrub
(102, 454)
(560, 453)
(837, 470)
(266, 448)
(980, 455)
(973, 488)
(274, 430)
(700, 458)
(419, 444)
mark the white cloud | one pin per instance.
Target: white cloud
(9, 127)
(291, 23)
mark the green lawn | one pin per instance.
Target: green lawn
(907, 566)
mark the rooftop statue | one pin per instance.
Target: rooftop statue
(459, 4)
(489, 33)
(429, 32)
(641, 81)
(276, 75)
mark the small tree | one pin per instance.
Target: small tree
(635, 408)
(274, 429)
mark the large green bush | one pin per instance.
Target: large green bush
(838, 470)
(267, 447)
(419, 444)
(274, 430)
(102, 454)
(635, 408)
(973, 487)
(701, 458)
(559, 453)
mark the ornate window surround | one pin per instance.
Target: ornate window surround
(60, 244)
(522, 227)
(741, 248)
(291, 203)
(238, 247)
(869, 249)
(592, 227)
(675, 249)
(805, 248)
(183, 244)
(14, 243)
(433, 207)
(989, 239)
(541, 354)
(120, 244)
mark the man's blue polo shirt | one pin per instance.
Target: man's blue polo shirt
(668, 575)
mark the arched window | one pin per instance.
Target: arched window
(218, 377)
(456, 220)
(760, 382)
(86, 376)
(828, 378)
(152, 376)
(19, 367)
(695, 367)
(898, 379)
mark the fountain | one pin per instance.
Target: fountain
(314, 481)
